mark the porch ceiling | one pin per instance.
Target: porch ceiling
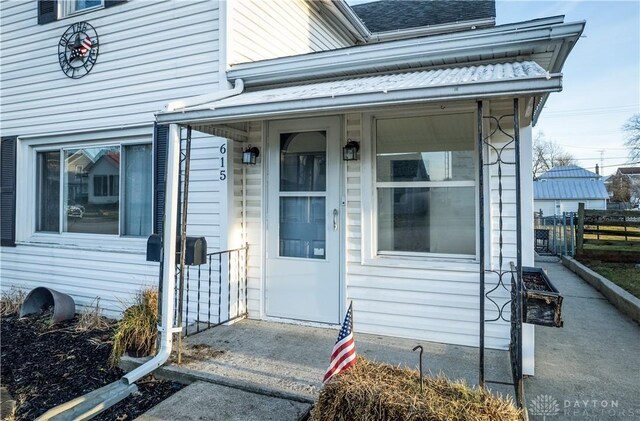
(524, 78)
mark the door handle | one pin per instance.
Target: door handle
(335, 219)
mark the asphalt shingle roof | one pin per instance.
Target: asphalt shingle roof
(392, 15)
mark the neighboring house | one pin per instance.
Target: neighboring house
(561, 188)
(624, 187)
(396, 231)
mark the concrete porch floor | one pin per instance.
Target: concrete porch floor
(289, 361)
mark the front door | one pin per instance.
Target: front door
(303, 220)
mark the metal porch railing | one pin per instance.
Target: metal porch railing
(214, 293)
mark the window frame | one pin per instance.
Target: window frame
(370, 185)
(29, 147)
(61, 9)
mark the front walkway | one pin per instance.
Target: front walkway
(289, 361)
(591, 366)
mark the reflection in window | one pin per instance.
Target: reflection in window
(72, 6)
(92, 190)
(302, 227)
(48, 192)
(425, 184)
(303, 161)
(92, 200)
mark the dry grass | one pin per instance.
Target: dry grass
(373, 391)
(91, 318)
(138, 329)
(11, 301)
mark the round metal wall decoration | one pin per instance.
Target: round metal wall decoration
(78, 50)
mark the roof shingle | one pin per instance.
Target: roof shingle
(393, 15)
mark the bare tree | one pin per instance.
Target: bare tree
(548, 154)
(632, 133)
(621, 188)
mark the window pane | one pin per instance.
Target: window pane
(85, 4)
(137, 190)
(48, 192)
(302, 227)
(428, 220)
(303, 161)
(428, 148)
(91, 188)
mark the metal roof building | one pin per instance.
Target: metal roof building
(561, 189)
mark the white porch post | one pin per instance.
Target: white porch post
(526, 194)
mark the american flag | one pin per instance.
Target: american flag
(86, 45)
(343, 355)
(80, 48)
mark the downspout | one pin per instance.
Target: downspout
(91, 404)
(166, 328)
(171, 222)
(182, 104)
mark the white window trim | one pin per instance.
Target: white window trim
(28, 148)
(62, 6)
(369, 254)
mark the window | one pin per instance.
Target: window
(425, 185)
(69, 7)
(79, 191)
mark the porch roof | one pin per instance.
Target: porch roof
(525, 78)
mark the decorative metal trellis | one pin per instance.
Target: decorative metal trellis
(509, 277)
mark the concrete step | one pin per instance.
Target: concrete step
(209, 401)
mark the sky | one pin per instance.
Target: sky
(601, 87)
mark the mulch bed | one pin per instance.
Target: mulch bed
(44, 366)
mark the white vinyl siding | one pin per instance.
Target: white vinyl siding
(420, 298)
(248, 214)
(260, 30)
(151, 52)
(89, 266)
(396, 297)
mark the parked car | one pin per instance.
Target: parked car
(74, 210)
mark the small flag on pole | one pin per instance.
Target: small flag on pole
(343, 355)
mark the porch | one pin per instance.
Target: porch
(289, 360)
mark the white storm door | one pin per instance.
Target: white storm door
(303, 220)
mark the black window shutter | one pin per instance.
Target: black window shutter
(160, 138)
(109, 3)
(8, 191)
(47, 11)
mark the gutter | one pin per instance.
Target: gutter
(432, 30)
(183, 104)
(489, 89)
(510, 40)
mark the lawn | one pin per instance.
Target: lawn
(625, 275)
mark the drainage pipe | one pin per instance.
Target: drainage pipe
(170, 223)
(168, 262)
(238, 88)
(92, 403)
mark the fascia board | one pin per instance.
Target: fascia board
(475, 91)
(368, 58)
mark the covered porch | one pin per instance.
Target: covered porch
(418, 231)
(289, 361)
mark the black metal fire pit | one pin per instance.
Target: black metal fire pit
(542, 301)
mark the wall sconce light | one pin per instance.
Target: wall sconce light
(350, 150)
(249, 155)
